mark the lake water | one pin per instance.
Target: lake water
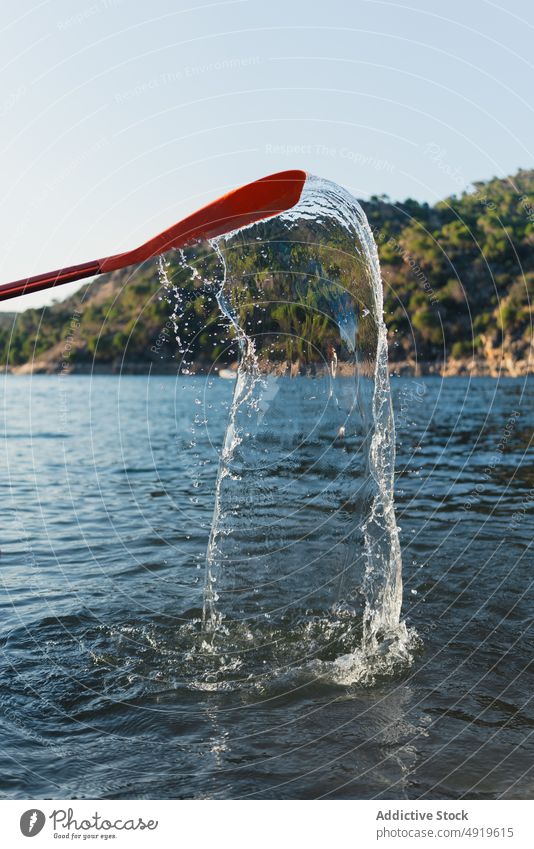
(108, 491)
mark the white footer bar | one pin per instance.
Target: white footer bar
(268, 824)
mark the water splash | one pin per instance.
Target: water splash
(304, 538)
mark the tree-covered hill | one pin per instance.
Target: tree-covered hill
(458, 283)
(459, 276)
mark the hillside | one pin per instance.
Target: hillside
(458, 284)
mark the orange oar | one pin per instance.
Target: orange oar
(261, 199)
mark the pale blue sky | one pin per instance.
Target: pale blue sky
(120, 116)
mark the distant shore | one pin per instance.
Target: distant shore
(450, 368)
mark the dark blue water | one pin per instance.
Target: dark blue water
(107, 495)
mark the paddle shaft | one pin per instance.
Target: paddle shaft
(262, 199)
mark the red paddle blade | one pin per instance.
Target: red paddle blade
(262, 199)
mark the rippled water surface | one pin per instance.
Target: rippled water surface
(107, 689)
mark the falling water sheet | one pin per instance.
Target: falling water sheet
(303, 565)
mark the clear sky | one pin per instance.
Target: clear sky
(120, 116)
